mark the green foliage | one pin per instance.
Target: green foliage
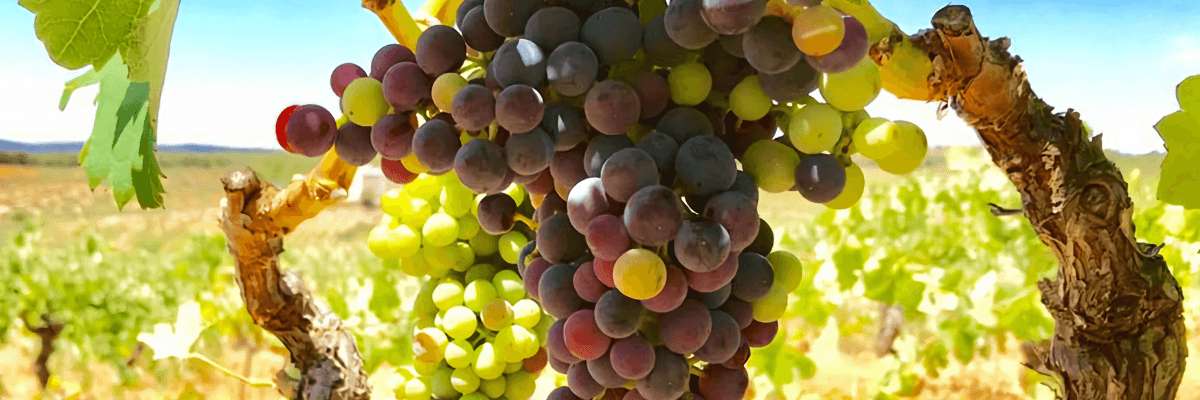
(1180, 132)
(126, 42)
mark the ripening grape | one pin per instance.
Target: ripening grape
(439, 230)
(910, 149)
(527, 313)
(311, 130)
(767, 47)
(478, 294)
(815, 129)
(820, 178)
(459, 322)
(459, 354)
(818, 30)
(440, 384)
(772, 165)
(640, 274)
(854, 88)
(875, 138)
(488, 363)
(770, 308)
(852, 190)
(464, 380)
(448, 293)
(748, 101)
(520, 385)
(445, 87)
(732, 17)
(685, 25)
(363, 101)
(399, 242)
(690, 83)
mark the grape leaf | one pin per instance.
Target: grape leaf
(146, 51)
(176, 341)
(1188, 94)
(1178, 182)
(91, 77)
(81, 33)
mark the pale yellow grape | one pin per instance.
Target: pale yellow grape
(426, 187)
(875, 138)
(818, 30)
(911, 147)
(474, 395)
(414, 266)
(788, 270)
(426, 368)
(477, 294)
(393, 201)
(481, 271)
(417, 212)
(464, 256)
(448, 293)
(527, 313)
(690, 83)
(484, 244)
(748, 101)
(852, 192)
(512, 368)
(772, 165)
(417, 389)
(430, 344)
(439, 381)
(521, 386)
(464, 380)
(457, 200)
(468, 227)
(509, 285)
(488, 364)
(459, 354)
(363, 101)
(493, 388)
(510, 244)
(526, 342)
(496, 315)
(444, 89)
(505, 343)
(440, 229)
(517, 192)
(640, 274)
(440, 259)
(411, 163)
(852, 89)
(399, 242)
(772, 306)
(459, 322)
(815, 129)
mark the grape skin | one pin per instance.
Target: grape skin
(760, 334)
(853, 48)
(508, 17)
(496, 213)
(617, 315)
(791, 85)
(673, 294)
(723, 341)
(714, 299)
(660, 49)
(581, 382)
(586, 201)
(387, 56)
(583, 337)
(565, 124)
(715, 279)
(533, 274)
(529, 153)
(519, 108)
(653, 93)
(769, 47)
(683, 124)
(685, 329)
(720, 383)
(606, 237)
(820, 178)
(653, 215)
(353, 144)
(662, 148)
(556, 345)
(599, 149)
(311, 130)
(343, 75)
(474, 107)
(567, 168)
(550, 27)
(626, 172)
(754, 277)
(612, 107)
(603, 373)
(589, 288)
(685, 25)
(435, 144)
(558, 241)
(481, 166)
(476, 32)
(732, 17)
(632, 357)
(518, 62)
(614, 33)
(572, 68)
(702, 245)
(440, 49)
(705, 165)
(669, 378)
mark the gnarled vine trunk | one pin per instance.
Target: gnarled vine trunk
(1119, 331)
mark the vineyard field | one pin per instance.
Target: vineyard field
(64, 243)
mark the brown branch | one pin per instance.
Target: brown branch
(1119, 332)
(255, 217)
(47, 332)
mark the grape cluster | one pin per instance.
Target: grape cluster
(642, 136)
(478, 336)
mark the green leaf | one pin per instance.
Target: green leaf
(848, 260)
(1179, 182)
(147, 49)
(121, 148)
(81, 33)
(1188, 94)
(176, 341)
(91, 77)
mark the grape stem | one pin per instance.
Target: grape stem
(1004, 212)
(527, 221)
(257, 383)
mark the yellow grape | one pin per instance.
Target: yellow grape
(496, 315)
(772, 306)
(430, 345)
(852, 192)
(911, 146)
(818, 30)
(363, 101)
(875, 138)
(464, 380)
(459, 354)
(399, 242)
(414, 266)
(410, 163)
(448, 293)
(444, 89)
(492, 388)
(772, 165)
(527, 313)
(439, 229)
(417, 389)
(478, 294)
(488, 364)
(640, 274)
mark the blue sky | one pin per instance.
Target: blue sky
(235, 64)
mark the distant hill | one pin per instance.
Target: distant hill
(74, 147)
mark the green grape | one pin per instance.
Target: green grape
(393, 202)
(474, 395)
(464, 256)
(850, 120)
(748, 101)
(543, 325)
(484, 244)
(512, 368)
(430, 345)
(853, 191)
(509, 285)
(459, 322)
(496, 315)
(417, 389)
(527, 313)
(911, 147)
(488, 364)
(416, 213)
(464, 380)
(690, 83)
(517, 192)
(426, 187)
(852, 89)
(640, 274)
(524, 343)
(439, 381)
(468, 227)
(459, 354)
(478, 294)
(510, 244)
(444, 89)
(398, 242)
(363, 101)
(426, 368)
(440, 229)
(481, 271)
(414, 266)
(440, 259)
(493, 388)
(788, 270)
(772, 165)
(448, 293)
(457, 200)
(424, 303)
(875, 138)
(411, 163)
(505, 344)
(771, 307)
(815, 129)
(521, 386)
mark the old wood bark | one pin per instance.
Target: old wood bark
(255, 217)
(1119, 332)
